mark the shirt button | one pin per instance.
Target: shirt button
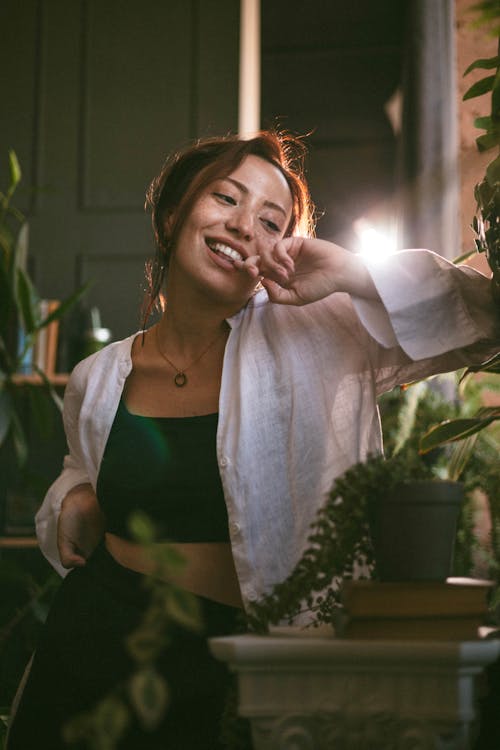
(235, 527)
(224, 461)
(251, 594)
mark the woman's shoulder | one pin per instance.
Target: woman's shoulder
(114, 355)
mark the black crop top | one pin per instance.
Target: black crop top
(167, 468)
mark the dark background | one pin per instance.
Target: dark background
(96, 93)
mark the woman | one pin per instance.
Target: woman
(261, 377)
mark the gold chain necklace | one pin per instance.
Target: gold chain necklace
(180, 378)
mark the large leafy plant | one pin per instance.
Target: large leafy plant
(20, 321)
(486, 225)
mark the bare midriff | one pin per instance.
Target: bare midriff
(208, 569)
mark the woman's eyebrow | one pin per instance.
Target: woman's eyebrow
(244, 189)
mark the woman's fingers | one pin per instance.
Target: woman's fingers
(280, 294)
(277, 265)
(251, 265)
(70, 556)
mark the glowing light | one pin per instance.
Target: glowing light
(374, 242)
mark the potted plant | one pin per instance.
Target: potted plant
(27, 403)
(20, 321)
(25, 593)
(341, 542)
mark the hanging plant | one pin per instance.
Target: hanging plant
(340, 543)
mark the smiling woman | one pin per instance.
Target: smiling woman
(227, 421)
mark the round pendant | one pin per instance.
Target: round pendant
(180, 379)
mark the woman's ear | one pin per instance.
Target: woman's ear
(168, 224)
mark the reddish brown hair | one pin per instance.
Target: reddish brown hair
(187, 173)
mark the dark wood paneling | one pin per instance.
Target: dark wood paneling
(136, 105)
(19, 60)
(328, 69)
(217, 50)
(117, 289)
(98, 94)
(338, 100)
(333, 24)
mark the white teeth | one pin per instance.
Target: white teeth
(219, 247)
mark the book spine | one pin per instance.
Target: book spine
(51, 339)
(45, 349)
(446, 628)
(25, 366)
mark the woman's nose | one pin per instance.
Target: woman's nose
(240, 222)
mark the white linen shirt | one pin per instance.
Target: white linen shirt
(297, 402)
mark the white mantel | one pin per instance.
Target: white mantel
(303, 692)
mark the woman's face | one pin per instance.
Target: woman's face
(235, 217)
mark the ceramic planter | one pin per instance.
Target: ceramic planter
(414, 528)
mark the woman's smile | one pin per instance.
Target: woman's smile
(223, 249)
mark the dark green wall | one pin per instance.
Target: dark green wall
(95, 94)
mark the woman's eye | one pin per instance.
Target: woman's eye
(271, 225)
(226, 198)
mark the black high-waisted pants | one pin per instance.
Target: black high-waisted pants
(81, 657)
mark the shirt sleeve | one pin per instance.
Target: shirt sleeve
(453, 305)
(74, 472)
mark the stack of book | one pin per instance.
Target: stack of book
(43, 353)
(452, 610)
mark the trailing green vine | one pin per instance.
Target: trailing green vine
(340, 543)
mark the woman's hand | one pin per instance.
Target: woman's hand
(300, 270)
(80, 526)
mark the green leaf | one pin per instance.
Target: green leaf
(479, 88)
(495, 96)
(168, 560)
(145, 643)
(149, 696)
(110, 720)
(487, 141)
(78, 728)
(15, 170)
(27, 301)
(459, 456)
(491, 365)
(457, 429)
(64, 306)
(485, 63)
(6, 239)
(465, 256)
(483, 123)
(5, 414)
(141, 528)
(183, 608)
(483, 193)
(493, 172)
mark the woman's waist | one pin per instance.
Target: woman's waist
(204, 568)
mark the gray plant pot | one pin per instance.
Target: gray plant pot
(413, 531)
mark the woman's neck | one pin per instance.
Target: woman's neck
(186, 335)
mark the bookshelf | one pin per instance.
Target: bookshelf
(58, 378)
(18, 542)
